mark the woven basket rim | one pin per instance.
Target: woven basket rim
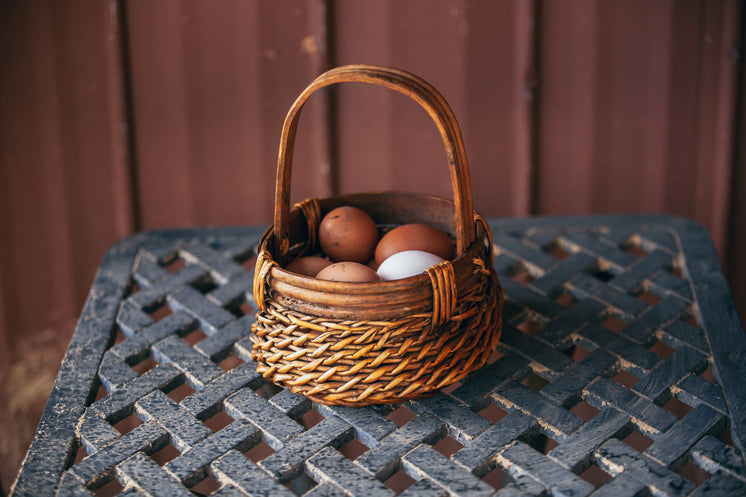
(382, 286)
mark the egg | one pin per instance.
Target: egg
(308, 266)
(348, 234)
(415, 236)
(407, 263)
(348, 271)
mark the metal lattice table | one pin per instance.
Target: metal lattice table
(621, 372)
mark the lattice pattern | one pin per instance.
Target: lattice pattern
(601, 384)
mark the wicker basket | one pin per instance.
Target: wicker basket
(356, 344)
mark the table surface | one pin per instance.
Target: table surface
(620, 372)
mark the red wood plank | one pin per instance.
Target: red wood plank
(477, 55)
(567, 97)
(211, 85)
(717, 115)
(737, 215)
(603, 106)
(65, 177)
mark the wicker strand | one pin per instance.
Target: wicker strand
(312, 212)
(361, 362)
(443, 281)
(264, 264)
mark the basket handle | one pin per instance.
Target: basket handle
(410, 85)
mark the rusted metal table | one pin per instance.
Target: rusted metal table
(622, 371)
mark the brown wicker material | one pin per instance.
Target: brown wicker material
(357, 344)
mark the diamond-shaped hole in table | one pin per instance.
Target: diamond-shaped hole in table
(614, 324)
(448, 446)
(565, 299)
(691, 320)
(530, 327)
(601, 274)
(132, 288)
(245, 309)
(676, 268)
(165, 455)
(259, 452)
(301, 484)
(595, 476)
(268, 390)
(353, 449)
(100, 393)
(399, 482)
(160, 312)
(677, 407)
(401, 416)
(662, 350)
(230, 362)
(535, 382)
(180, 392)
(694, 473)
(450, 388)
(557, 251)
(522, 276)
(110, 488)
(128, 424)
(648, 298)
(725, 436)
(80, 454)
(174, 264)
(205, 486)
(637, 441)
(311, 418)
(625, 379)
(708, 375)
(145, 365)
(634, 248)
(218, 421)
(204, 285)
(578, 353)
(543, 443)
(194, 337)
(493, 413)
(584, 410)
(497, 478)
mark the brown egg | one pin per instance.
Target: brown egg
(415, 236)
(308, 265)
(348, 234)
(348, 271)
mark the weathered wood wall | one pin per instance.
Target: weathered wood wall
(117, 116)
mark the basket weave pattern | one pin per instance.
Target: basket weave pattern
(357, 363)
(357, 344)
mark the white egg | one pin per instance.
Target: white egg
(407, 263)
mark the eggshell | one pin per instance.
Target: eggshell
(415, 236)
(308, 265)
(348, 234)
(348, 271)
(407, 263)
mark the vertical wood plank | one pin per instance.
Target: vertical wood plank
(65, 174)
(477, 55)
(603, 67)
(211, 84)
(568, 48)
(737, 214)
(717, 111)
